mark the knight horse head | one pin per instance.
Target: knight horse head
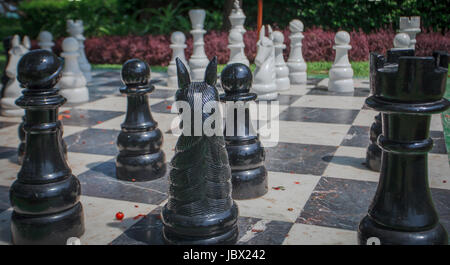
(196, 94)
(265, 47)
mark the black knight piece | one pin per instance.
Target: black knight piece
(140, 141)
(46, 194)
(406, 94)
(245, 152)
(200, 209)
(373, 154)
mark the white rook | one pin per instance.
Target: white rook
(198, 60)
(72, 83)
(178, 45)
(296, 63)
(410, 26)
(341, 73)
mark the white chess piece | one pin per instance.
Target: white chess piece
(410, 26)
(401, 42)
(281, 69)
(198, 60)
(75, 29)
(236, 46)
(45, 39)
(237, 17)
(296, 63)
(12, 89)
(26, 43)
(72, 83)
(341, 73)
(264, 77)
(178, 45)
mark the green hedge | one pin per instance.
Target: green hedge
(123, 17)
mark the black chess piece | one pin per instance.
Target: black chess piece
(407, 93)
(245, 152)
(46, 194)
(6, 48)
(140, 141)
(200, 209)
(377, 61)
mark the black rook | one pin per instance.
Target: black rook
(200, 209)
(140, 141)
(406, 94)
(245, 153)
(373, 155)
(46, 194)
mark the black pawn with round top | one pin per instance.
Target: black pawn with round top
(402, 211)
(46, 194)
(377, 61)
(245, 152)
(140, 141)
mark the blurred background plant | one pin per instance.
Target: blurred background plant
(137, 17)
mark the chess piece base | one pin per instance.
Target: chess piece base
(373, 157)
(52, 229)
(9, 108)
(265, 92)
(297, 78)
(141, 167)
(75, 95)
(214, 229)
(249, 184)
(283, 84)
(368, 228)
(344, 85)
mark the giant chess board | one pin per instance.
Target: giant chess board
(319, 187)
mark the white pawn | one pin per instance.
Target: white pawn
(341, 73)
(12, 89)
(281, 68)
(45, 39)
(178, 45)
(296, 63)
(72, 83)
(401, 42)
(236, 46)
(264, 77)
(75, 29)
(198, 60)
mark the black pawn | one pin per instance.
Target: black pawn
(245, 152)
(373, 154)
(6, 48)
(140, 141)
(402, 211)
(46, 194)
(200, 209)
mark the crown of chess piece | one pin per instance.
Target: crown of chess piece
(45, 39)
(410, 26)
(401, 48)
(236, 46)
(73, 83)
(281, 69)
(6, 48)
(45, 196)
(341, 72)
(237, 17)
(264, 83)
(12, 89)
(178, 45)
(75, 29)
(139, 142)
(198, 60)
(406, 94)
(200, 209)
(245, 152)
(296, 63)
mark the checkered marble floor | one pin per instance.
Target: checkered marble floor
(319, 187)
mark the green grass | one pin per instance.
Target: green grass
(446, 120)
